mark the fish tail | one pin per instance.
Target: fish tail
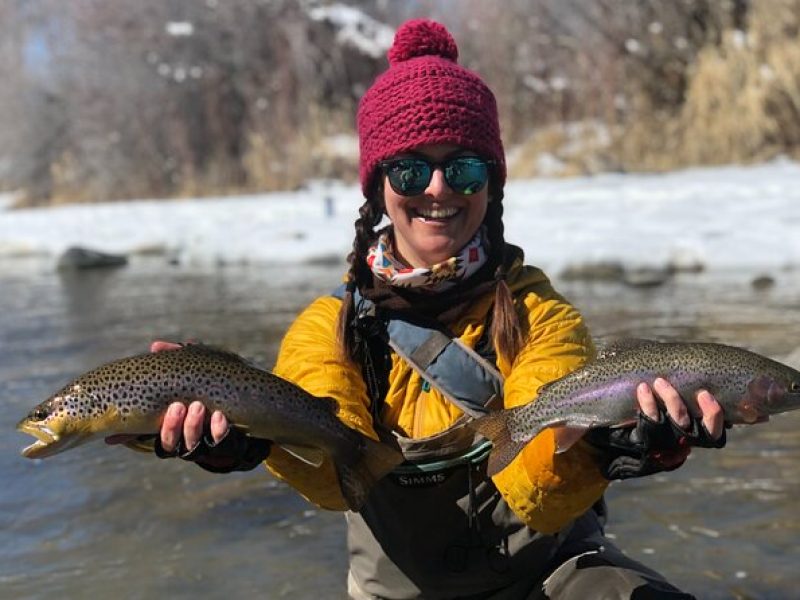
(494, 427)
(356, 481)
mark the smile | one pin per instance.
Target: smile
(436, 213)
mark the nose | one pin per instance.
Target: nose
(437, 186)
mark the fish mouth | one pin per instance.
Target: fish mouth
(47, 441)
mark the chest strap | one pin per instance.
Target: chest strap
(460, 374)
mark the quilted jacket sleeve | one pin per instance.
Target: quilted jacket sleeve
(309, 358)
(548, 490)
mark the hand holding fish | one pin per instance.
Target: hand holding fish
(212, 444)
(191, 422)
(664, 433)
(712, 415)
(215, 446)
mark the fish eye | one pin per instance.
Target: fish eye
(39, 413)
(795, 386)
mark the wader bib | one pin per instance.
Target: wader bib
(436, 527)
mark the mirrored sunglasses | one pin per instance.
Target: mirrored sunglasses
(411, 176)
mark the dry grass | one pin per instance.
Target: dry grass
(301, 155)
(563, 150)
(271, 162)
(723, 119)
(742, 103)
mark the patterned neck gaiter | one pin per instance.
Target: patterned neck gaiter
(441, 276)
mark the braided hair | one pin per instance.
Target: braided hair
(369, 215)
(507, 330)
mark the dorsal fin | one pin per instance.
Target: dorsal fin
(608, 347)
(218, 353)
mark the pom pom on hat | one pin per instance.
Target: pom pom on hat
(426, 97)
(421, 37)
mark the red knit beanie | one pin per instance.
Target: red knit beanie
(425, 97)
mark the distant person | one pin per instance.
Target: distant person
(432, 161)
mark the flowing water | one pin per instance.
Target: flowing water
(108, 521)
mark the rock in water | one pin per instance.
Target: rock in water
(77, 258)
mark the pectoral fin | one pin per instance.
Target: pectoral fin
(310, 456)
(566, 437)
(751, 406)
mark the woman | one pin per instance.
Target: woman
(432, 162)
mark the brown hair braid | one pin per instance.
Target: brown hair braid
(507, 331)
(370, 215)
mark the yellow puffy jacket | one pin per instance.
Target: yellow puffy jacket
(544, 489)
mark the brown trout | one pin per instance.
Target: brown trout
(749, 388)
(131, 395)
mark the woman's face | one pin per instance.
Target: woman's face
(436, 224)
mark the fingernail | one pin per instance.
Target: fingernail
(175, 410)
(196, 408)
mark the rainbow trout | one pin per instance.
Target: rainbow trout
(749, 387)
(131, 396)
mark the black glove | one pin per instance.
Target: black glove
(236, 451)
(649, 446)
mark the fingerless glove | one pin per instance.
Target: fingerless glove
(649, 446)
(235, 451)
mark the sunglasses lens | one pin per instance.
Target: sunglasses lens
(409, 176)
(466, 174)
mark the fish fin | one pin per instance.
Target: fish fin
(751, 406)
(609, 347)
(218, 353)
(142, 443)
(566, 437)
(310, 456)
(494, 427)
(356, 481)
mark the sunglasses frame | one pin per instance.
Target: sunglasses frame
(385, 165)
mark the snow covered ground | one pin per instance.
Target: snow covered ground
(721, 218)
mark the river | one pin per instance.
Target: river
(105, 522)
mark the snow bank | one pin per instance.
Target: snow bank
(721, 218)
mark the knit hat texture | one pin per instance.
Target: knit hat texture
(426, 97)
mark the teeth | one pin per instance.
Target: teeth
(437, 213)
